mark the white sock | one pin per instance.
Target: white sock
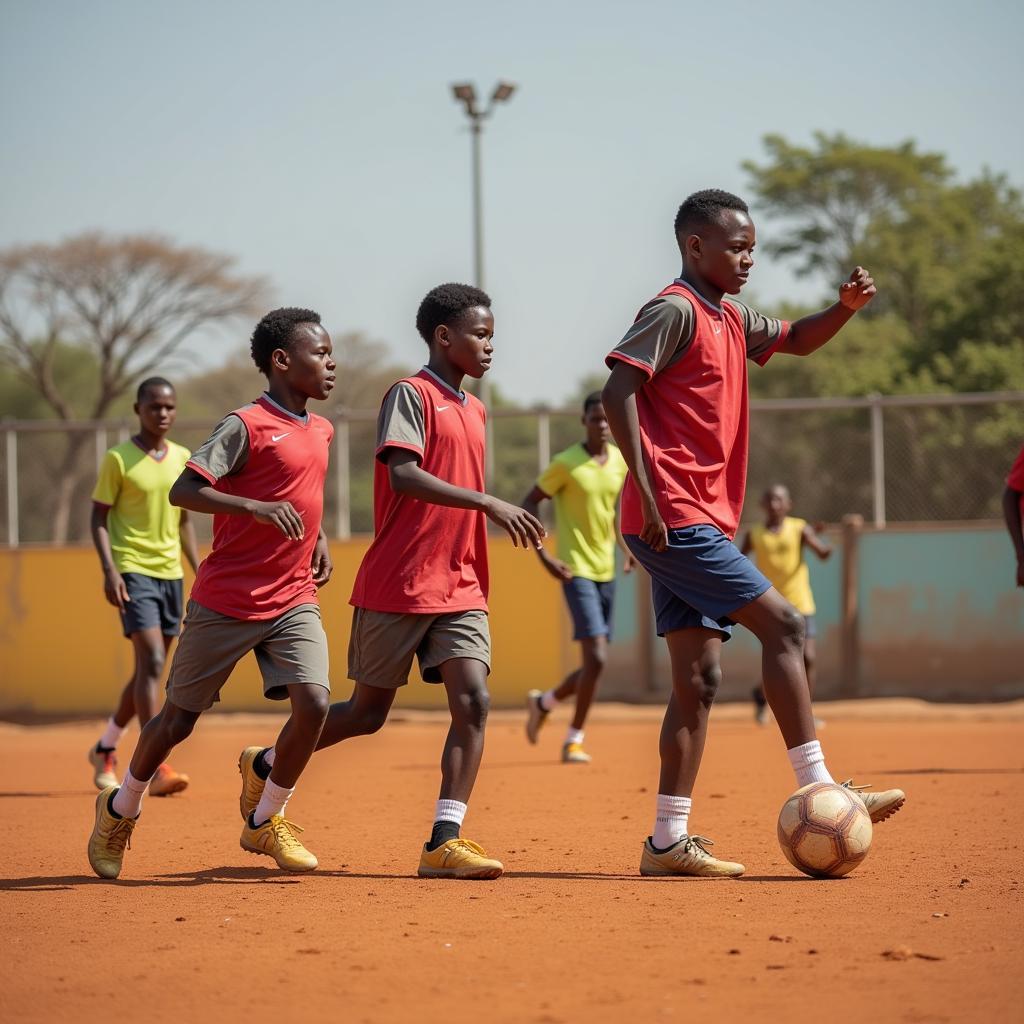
(573, 735)
(548, 700)
(809, 764)
(450, 810)
(274, 800)
(128, 799)
(672, 815)
(111, 734)
(268, 757)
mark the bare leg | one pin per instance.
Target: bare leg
(696, 673)
(298, 738)
(780, 628)
(465, 679)
(160, 735)
(595, 656)
(151, 647)
(567, 687)
(811, 664)
(363, 713)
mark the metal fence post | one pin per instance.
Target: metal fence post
(878, 460)
(543, 441)
(343, 524)
(849, 622)
(11, 447)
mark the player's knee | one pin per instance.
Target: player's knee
(598, 656)
(177, 723)
(707, 680)
(371, 720)
(792, 628)
(311, 704)
(153, 662)
(474, 703)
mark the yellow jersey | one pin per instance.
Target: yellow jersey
(779, 554)
(144, 526)
(585, 492)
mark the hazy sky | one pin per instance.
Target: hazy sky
(318, 142)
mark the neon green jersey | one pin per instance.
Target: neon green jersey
(585, 492)
(143, 525)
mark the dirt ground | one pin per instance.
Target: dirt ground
(928, 929)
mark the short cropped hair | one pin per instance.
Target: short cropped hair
(152, 383)
(705, 207)
(594, 398)
(274, 331)
(445, 304)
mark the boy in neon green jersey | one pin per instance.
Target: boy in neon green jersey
(140, 538)
(584, 482)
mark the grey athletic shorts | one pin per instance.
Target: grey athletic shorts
(383, 644)
(289, 649)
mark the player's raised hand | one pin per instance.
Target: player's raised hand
(281, 514)
(858, 291)
(525, 530)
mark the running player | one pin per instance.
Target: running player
(677, 405)
(140, 537)
(584, 482)
(261, 475)
(421, 590)
(1013, 512)
(778, 548)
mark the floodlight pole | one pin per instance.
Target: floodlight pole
(465, 93)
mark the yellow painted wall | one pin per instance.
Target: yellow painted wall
(61, 649)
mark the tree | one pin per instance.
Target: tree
(128, 303)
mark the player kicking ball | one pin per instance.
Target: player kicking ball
(261, 475)
(676, 401)
(421, 590)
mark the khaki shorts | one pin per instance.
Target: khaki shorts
(382, 645)
(289, 649)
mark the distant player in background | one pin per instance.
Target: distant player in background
(584, 482)
(1013, 512)
(421, 590)
(778, 545)
(140, 538)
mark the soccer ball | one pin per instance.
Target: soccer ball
(824, 830)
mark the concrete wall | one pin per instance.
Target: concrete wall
(938, 617)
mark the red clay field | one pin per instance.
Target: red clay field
(928, 928)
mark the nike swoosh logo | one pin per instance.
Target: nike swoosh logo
(277, 437)
(441, 408)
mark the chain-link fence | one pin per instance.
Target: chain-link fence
(912, 458)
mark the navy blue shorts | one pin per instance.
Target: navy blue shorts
(698, 580)
(590, 604)
(153, 603)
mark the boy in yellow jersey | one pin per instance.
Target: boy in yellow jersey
(778, 549)
(140, 538)
(584, 481)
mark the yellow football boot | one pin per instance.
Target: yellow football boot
(276, 838)
(110, 836)
(573, 753)
(689, 856)
(458, 858)
(252, 784)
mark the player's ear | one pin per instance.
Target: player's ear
(442, 335)
(279, 358)
(693, 246)
(135, 408)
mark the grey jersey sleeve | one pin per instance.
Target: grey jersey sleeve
(400, 423)
(660, 336)
(225, 451)
(763, 332)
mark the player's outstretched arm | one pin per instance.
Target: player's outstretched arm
(1011, 513)
(815, 542)
(195, 493)
(809, 333)
(114, 588)
(408, 477)
(555, 566)
(619, 400)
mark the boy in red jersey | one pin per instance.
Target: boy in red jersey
(421, 590)
(676, 401)
(261, 475)
(1013, 512)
